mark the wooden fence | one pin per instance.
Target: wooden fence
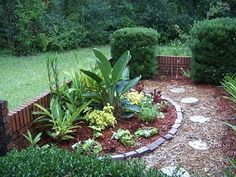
(16, 123)
(173, 65)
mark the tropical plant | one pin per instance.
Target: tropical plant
(113, 82)
(147, 132)
(125, 137)
(32, 140)
(229, 84)
(101, 119)
(62, 122)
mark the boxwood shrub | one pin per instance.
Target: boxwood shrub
(213, 45)
(52, 161)
(141, 42)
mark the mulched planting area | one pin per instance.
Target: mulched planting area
(214, 105)
(115, 146)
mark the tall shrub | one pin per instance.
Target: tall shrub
(141, 43)
(213, 45)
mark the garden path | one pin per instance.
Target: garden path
(208, 161)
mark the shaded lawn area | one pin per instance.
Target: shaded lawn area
(23, 78)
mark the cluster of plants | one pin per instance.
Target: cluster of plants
(28, 26)
(213, 45)
(100, 97)
(52, 161)
(229, 84)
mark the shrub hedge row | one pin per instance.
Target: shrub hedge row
(213, 45)
(141, 42)
(52, 161)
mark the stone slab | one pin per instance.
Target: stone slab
(171, 171)
(177, 90)
(190, 100)
(199, 119)
(199, 145)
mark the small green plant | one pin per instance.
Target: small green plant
(147, 132)
(101, 119)
(134, 97)
(97, 131)
(89, 146)
(32, 140)
(148, 114)
(229, 84)
(62, 122)
(125, 137)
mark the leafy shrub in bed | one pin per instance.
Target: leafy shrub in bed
(141, 43)
(213, 45)
(52, 161)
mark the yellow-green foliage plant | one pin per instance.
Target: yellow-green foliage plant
(102, 119)
(134, 97)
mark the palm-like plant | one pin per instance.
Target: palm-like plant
(61, 121)
(113, 82)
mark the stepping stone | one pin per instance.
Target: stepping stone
(190, 100)
(199, 145)
(199, 119)
(177, 90)
(175, 171)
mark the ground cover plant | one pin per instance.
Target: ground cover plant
(52, 161)
(100, 101)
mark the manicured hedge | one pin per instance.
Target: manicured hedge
(52, 161)
(213, 45)
(141, 42)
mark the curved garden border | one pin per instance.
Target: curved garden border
(158, 142)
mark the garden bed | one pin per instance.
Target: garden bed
(110, 145)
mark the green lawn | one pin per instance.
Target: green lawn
(23, 78)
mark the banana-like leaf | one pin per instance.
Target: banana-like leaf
(105, 62)
(125, 74)
(104, 74)
(92, 75)
(120, 66)
(130, 84)
(121, 85)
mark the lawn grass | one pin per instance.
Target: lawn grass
(23, 78)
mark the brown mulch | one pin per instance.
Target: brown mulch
(214, 105)
(115, 146)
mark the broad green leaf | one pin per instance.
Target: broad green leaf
(104, 74)
(105, 62)
(120, 66)
(131, 84)
(92, 75)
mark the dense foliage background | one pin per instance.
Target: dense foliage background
(29, 26)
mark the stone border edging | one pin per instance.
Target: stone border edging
(155, 144)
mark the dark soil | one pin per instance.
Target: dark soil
(115, 146)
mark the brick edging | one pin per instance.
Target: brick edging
(158, 142)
